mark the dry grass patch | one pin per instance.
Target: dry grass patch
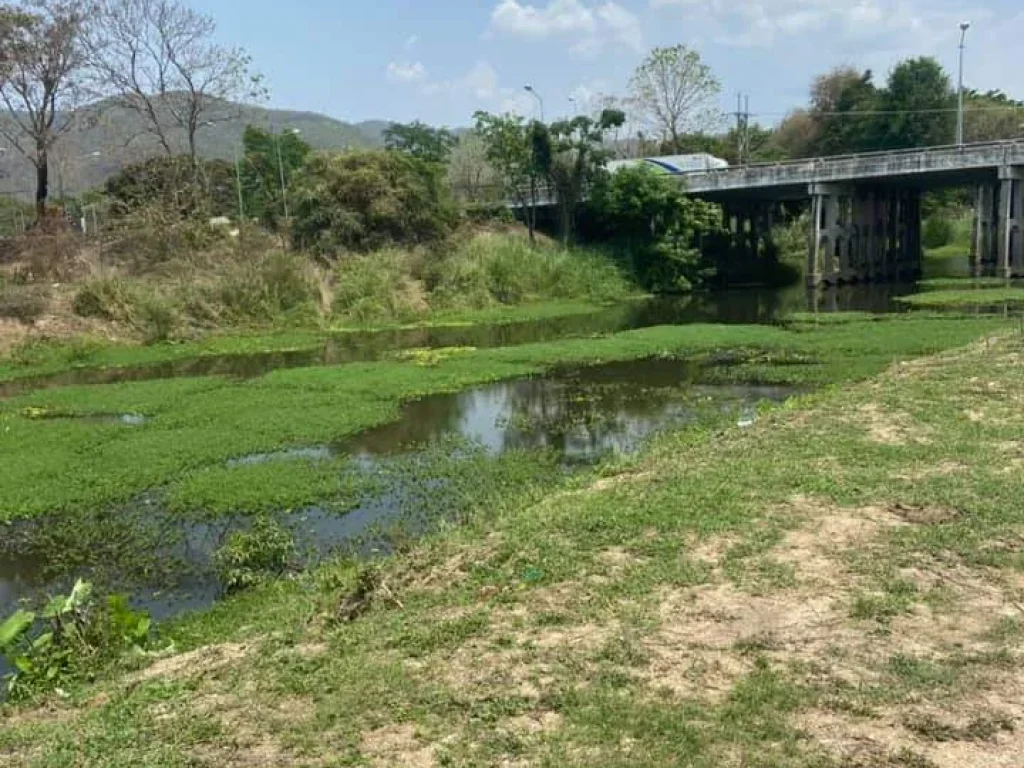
(398, 746)
(888, 427)
(197, 663)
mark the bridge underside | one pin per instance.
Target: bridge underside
(870, 230)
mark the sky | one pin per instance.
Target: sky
(441, 61)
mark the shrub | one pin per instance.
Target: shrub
(157, 320)
(938, 230)
(25, 303)
(250, 557)
(365, 201)
(378, 287)
(264, 290)
(77, 633)
(109, 298)
(506, 269)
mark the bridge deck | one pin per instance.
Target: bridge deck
(932, 167)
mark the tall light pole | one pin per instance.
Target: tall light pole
(964, 26)
(531, 89)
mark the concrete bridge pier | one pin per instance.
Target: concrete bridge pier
(984, 230)
(863, 234)
(1011, 220)
(828, 233)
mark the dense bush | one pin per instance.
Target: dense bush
(655, 225)
(938, 230)
(505, 269)
(175, 186)
(251, 556)
(363, 201)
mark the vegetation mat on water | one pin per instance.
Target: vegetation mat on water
(839, 584)
(989, 296)
(196, 424)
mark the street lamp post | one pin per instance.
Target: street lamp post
(540, 101)
(964, 26)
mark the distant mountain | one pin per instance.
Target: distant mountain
(107, 138)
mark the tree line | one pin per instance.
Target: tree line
(67, 60)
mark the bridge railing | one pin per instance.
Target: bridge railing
(944, 149)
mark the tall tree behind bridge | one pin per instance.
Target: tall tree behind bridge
(158, 58)
(918, 105)
(42, 58)
(421, 140)
(842, 105)
(673, 92)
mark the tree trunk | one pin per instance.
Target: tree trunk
(42, 180)
(531, 213)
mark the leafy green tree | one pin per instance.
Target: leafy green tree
(649, 217)
(576, 157)
(271, 160)
(842, 103)
(517, 153)
(420, 140)
(919, 104)
(992, 116)
(362, 201)
(674, 93)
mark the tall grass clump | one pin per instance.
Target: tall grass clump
(503, 269)
(107, 298)
(275, 286)
(380, 286)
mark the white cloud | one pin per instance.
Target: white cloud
(406, 72)
(593, 27)
(410, 42)
(557, 18)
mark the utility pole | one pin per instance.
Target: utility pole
(742, 128)
(964, 26)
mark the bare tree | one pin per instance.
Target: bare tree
(43, 58)
(673, 92)
(157, 58)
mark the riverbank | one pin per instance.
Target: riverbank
(837, 584)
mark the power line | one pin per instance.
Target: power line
(869, 112)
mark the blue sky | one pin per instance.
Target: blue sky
(440, 61)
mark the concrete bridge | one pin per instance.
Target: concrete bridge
(866, 208)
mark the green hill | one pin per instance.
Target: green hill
(105, 138)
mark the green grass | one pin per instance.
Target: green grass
(198, 424)
(834, 584)
(962, 283)
(987, 296)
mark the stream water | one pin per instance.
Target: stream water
(751, 306)
(577, 416)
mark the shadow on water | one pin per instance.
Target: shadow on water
(747, 306)
(428, 466)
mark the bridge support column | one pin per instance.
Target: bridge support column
(1011, 219)
(829, 247)
(983, 236)
(910, 235)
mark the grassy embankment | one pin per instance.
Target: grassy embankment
(983, 295)
(838, 585)
(195, 425)
(475, 277)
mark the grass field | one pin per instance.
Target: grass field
(963, 298)
(839, 585)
